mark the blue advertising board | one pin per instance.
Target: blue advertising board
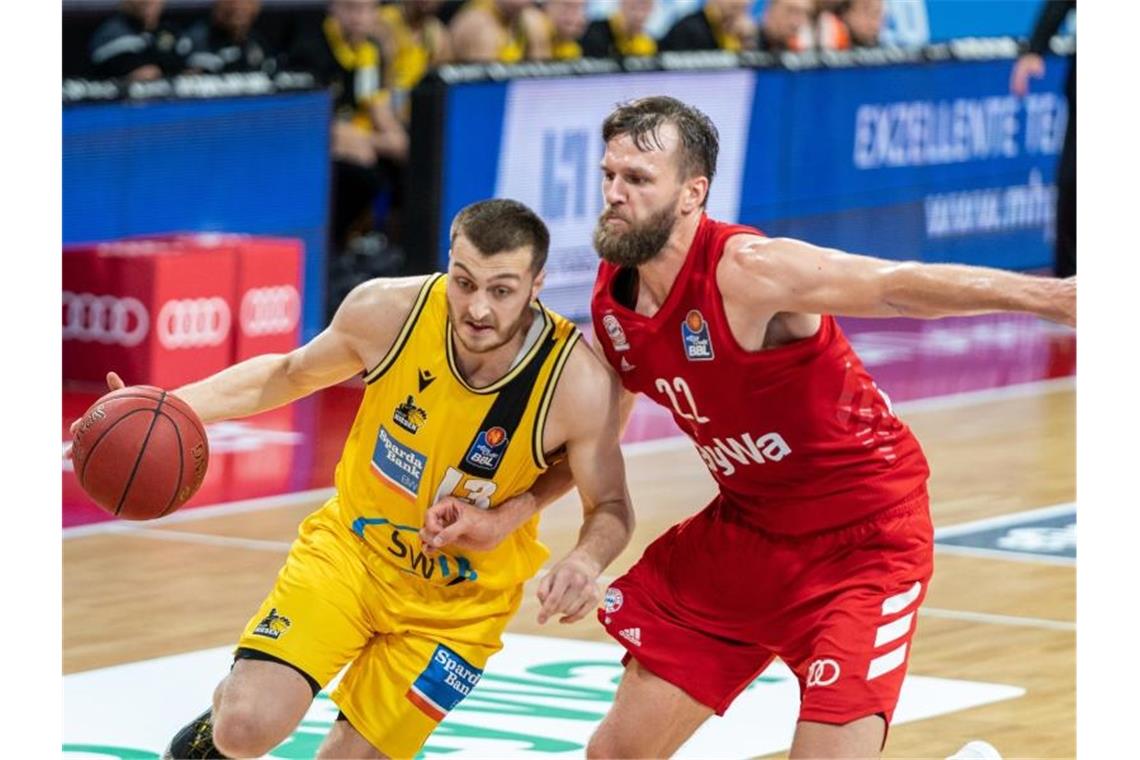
(255, 165)
(929, 161)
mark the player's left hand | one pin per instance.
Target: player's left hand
(570, 589)
(452, 523)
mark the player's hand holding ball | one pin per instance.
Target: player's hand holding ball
(139, 451)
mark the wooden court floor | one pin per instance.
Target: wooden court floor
(984, 619)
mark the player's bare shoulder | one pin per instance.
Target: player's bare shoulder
(758, 271)
(373, 313)
(747, 261)
(585, 400)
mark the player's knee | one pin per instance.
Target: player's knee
(604, 744)
(244, 731)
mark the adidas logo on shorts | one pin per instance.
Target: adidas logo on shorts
(632, 635)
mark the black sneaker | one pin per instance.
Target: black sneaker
(194, 742)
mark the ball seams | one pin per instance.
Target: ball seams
(181, 463)
(139, 456)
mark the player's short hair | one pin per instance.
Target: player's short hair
(499, 225)
(642, 118)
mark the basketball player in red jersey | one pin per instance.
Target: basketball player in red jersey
(818, 547)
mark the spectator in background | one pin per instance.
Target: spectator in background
(226, 42)
(1032, 64)
(863, 20)
(622, 33)
(719, 25)
(566, 22)
(783, 23)
(507, 31)
(825, 31)
(417, 39)
(414, 41)
(134, 44)
(369, 144)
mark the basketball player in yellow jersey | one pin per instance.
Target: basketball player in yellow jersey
(475, 395)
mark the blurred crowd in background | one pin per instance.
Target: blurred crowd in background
(371, 54)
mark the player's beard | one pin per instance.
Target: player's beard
(638, 243)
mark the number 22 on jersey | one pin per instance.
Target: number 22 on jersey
(680, 386)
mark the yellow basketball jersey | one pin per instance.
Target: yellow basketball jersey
(422, 433)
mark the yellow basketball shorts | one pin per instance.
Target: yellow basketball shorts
(414, 650)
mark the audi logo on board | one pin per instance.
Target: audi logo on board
(111, 320)
(193, 322)
(270, 310)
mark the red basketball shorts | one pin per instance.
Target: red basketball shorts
(712, 602)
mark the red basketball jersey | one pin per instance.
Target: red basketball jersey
(798, 437)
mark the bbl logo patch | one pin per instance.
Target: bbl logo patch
(613, 600)
(273, 625)
(488, 448)
(695, 335)
(617, 334)
(446, 680)
(397, 464)
(409, 416)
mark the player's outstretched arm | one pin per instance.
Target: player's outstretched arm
(790, 275)
(363, 328)
(587, 404)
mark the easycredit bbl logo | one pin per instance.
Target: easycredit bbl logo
(488, 448)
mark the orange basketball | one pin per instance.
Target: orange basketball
(140, 452)
(695, 320)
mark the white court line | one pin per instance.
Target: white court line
(640, 448)
(987, 395)
(215, 510)
(212, 540)
(1012, 556)
(1001, 521)
(605, 580)
(986, 617)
